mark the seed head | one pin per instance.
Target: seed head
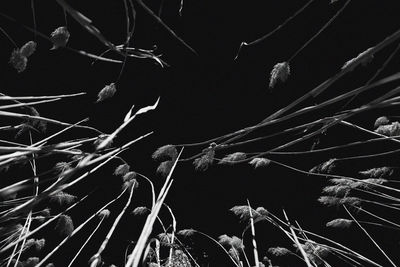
(243, 212)
(104, 214)
(18, 60)
(63, 199)
(31, 262)
(129, 183)
(377, 172)
(129, 176)
(233, 158)
(59, 37)
(107, 92)
(392, 129)
(364, 60)
(281, 71)
(339, 223)
(261, 211)
(140, 211)
(28, 49)
(62, 166)
(228, 241)
(259, 162)
(165, 153)
(337, 190)
(381, 121)
(326, 167)
(279, 251)
(186, 232)
(65, 225)
(205, 161)
(121, 170)
(165, 167)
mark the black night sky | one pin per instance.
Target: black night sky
(204, 96)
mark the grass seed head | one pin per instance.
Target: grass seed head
(129, 176)
(63, 199)
(121, 170)
(261, 211)
(107, 92)
(65, 225)
(369, 183)
(129, 183)
(326, 167)
(279, 251)
(59, 37)
(28, 49)
(329, 201)
(381, 121)
(178, 259)
(205, 161)
(233, 158)
(364, 60)
(337, 190)
(105, 213)
(339, 223)
(140, 211)
(18, 60)
(259, 162)
(377, 172)
(280, 72)
(187, 232)
(165, 153)
(243, 212)
(31, 262)
(392, 129)
(165, 167)
(61, 167)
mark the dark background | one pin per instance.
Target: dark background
(203, 96)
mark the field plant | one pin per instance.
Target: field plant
(74, 194)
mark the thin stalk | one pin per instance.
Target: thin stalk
(370, 237)
(96, 258)
(87, 241)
